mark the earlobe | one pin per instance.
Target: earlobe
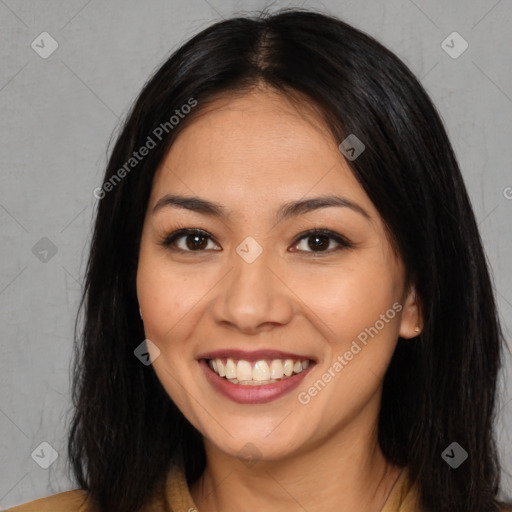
(411, 322)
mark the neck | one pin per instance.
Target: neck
(345, 473)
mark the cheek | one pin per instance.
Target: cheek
(158, 295)
(349, 299)
(162, 304)
(168, 297)
(165, 307)
(362, 310)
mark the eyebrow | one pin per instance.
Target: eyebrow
(287, 210)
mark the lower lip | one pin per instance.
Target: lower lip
(247, 394)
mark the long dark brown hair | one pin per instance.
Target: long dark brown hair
(438, 389)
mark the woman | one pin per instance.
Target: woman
(287, 303)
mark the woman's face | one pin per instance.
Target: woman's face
(257, 295)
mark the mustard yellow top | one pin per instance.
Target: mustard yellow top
(403, 498)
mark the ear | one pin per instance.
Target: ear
(411, 323)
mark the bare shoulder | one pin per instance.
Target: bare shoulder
(68, 501)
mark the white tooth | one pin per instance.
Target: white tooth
(297, 367)
(261, 371)
(230, 369)
(276, 369)
(305, 364)
(243, 370)
(288, 367)
(221, 369)
(213, 365)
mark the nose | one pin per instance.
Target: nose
(253, 296)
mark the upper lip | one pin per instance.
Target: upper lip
(254, 355)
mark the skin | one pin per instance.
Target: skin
(252, 153)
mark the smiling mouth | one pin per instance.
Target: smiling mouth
(257, 373)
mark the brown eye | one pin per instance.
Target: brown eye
(194, 240)
(319, 241)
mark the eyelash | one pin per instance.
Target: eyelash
(167, 240)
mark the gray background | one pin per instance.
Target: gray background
(57, 116)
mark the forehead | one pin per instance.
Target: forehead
(253, 149)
